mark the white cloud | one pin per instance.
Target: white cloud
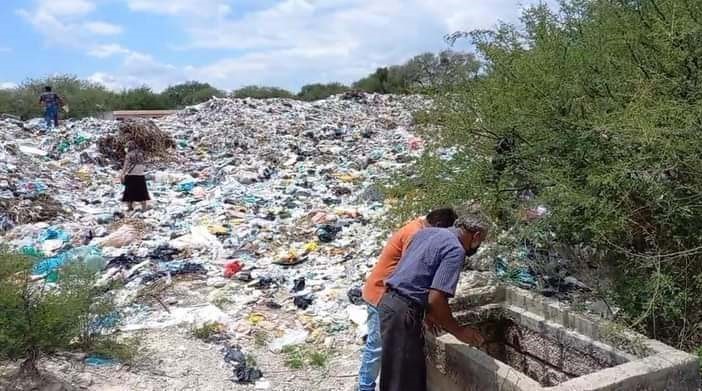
(109, 50)
(289, 43)
(6, 85)
(67, 23)
(139, 69)
(66, 7)
(102, 28)
(190, 8)
(294, 42)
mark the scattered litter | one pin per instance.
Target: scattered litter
(256, 207)
(291, 337)
(355, 296)
(231, 268)
(97, 361)
(298, 284)
(304, 301)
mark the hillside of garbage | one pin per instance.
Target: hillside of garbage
(265, 217)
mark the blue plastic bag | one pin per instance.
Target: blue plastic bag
(186, 186)
(47, 265)
(98, 361)
(52, 233)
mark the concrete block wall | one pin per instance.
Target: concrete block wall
(558, 342)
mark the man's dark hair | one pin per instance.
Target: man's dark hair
(442, 217)
(47, 88)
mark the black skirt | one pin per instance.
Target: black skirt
(135, 189)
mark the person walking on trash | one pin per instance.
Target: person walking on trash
(134, 178)
(424, 280)
(51, 102)
(374, 288)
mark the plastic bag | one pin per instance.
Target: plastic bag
(199, 238)
(232, 268)
(124, 236)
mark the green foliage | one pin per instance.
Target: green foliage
(41, 318)
(427, 72)
(319, 91)
(189, 93)
(602, 101)
(299, 356)
(262, 92)
(126, 351)
(84, 98)
(141, 98)
(208, 331)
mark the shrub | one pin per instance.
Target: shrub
(299, 356)
(208, 331)
(261, 92)
(594, 111)
(40, 318)
(318, 91)
(189, 93)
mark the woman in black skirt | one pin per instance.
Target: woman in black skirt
(133, 177)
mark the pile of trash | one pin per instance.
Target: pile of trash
(265, 209)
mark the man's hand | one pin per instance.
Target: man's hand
(470, 335)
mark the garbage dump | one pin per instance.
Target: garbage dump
(265, 217)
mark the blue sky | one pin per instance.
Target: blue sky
(228, 43)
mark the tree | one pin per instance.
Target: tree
(423, 73)
(603, 102)
(140, 98)
(83, 97)
(262, 92)
(42, 319)
(189, 93)
(319, 91)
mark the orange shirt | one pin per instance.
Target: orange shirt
(374, 287)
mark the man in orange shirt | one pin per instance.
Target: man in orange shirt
(374, 288)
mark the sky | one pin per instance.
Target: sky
(229, 43)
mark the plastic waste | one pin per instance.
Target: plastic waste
(48, 265)
(355, 296)
(31, 251)
(291, 337)
(243, 372)
(97, 361)
(54, 233)
(182, 267)
(199, 238)
(327, 233)
(298, 284)
(358, 314)
(231, 268)
(303, 301)
(518, 274)
(123, 236)
(186, 186)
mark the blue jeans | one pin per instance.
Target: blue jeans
(51, 115)
(370, 359)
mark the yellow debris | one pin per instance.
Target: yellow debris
(255, 318)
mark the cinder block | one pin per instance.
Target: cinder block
(547, 347)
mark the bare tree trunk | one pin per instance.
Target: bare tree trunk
(29, 366)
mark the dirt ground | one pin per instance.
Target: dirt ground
(172, 359)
